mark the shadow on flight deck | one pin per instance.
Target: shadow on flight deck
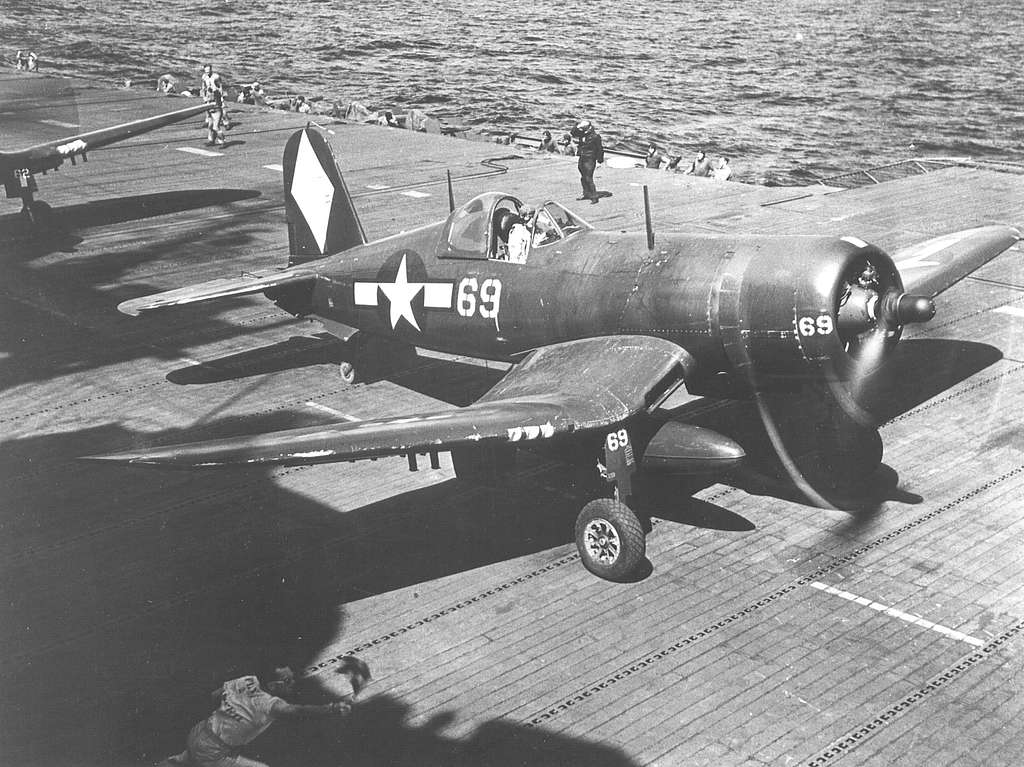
(66, 222)
(457, 383)
(211, 571)
(920, 369)
(142, 599)
(56, 321)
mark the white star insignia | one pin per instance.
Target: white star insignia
(401, 293)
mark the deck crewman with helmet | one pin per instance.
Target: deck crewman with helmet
(591, 154)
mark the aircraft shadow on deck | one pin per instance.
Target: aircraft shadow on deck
(457, 383)
(235, 566)
(234, 569)
(62, 222)
(35, 339)
(379, 733)
(291, 354)
(919, 370)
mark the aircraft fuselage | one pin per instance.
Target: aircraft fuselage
(687, 290)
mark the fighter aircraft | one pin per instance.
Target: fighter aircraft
(602, 328)
(18, 168)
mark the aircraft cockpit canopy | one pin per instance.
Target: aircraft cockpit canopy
(500, 227)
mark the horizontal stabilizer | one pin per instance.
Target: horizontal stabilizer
(558, 390)
(932, 266)
(254, 282)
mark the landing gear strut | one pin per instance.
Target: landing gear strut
(368, 359)
(609, 536)
(23, 185)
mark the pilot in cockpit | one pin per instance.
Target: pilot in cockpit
(520, 233)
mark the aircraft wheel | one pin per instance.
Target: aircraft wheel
(610, 539)
(348, 371)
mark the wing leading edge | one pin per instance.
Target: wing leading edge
(557, 390)
(933, 266)
(46, 154)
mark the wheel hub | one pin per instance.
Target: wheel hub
(602, 541)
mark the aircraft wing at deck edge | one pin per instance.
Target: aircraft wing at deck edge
(928, 268)
(254, 282)
(557, 390)
(57, 151)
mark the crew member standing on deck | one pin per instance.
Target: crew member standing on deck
(215, 119)
(210, 82)
(591, 154)
(211, 90)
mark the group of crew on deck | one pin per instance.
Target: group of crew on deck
(211, 88)
(700, 166)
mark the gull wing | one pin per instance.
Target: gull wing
(556, 390)
(930, 267)
(52, 153)
(252, 282)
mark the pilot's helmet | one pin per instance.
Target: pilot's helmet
(527, 211)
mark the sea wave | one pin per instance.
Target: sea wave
(789, 91)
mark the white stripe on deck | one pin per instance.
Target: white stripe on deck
(414, 193)
(377, 187)
(894, 613)
(278, 168)
(1013, 311)
(332, 411)
(201, 152)
(59, 123)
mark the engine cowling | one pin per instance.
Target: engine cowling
(812, 308)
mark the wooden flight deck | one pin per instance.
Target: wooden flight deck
(767, 633)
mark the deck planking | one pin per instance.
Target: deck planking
(490, 644)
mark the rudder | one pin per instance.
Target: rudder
(322, 220)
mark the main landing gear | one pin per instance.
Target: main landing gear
(23, 184)
(610, 539)
(609, 536)
(369, 359)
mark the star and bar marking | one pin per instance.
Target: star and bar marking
(401, 293)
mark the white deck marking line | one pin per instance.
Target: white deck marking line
(377, 187)
(414, 193)
(1013, 311)
(59, 123)
(894, 613)
(332, 411)
(278, 168)
(202, 152)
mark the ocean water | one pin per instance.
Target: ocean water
(791, 90)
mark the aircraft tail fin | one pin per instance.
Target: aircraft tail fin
(322, 220)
